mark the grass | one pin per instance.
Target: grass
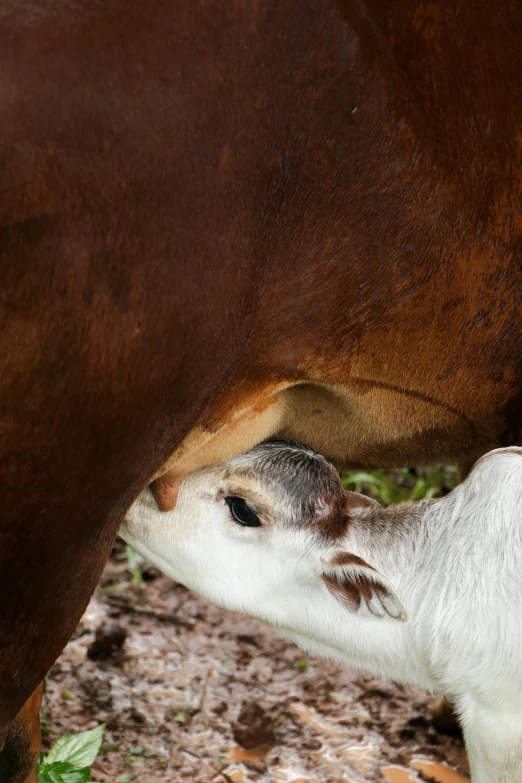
(398, 486)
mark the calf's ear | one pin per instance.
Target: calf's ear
(355, 584)
(356, 500)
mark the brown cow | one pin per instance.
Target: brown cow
(225, 221)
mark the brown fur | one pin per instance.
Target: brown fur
(346, 591)
(229, 221)
(22, 743)
(351, 589)
(346, 559)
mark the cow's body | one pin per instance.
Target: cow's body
(225, 221)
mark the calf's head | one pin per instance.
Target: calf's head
(267, 533)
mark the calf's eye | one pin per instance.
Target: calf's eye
(242, 512)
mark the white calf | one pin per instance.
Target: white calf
(428, 593)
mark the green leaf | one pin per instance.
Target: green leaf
(78, 749)
(63, 772)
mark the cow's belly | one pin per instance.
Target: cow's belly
(356, 424)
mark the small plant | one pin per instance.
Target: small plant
(134, 566)
(70, 759)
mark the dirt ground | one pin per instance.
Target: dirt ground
(192, 693)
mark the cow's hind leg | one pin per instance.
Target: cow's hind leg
(22, 744)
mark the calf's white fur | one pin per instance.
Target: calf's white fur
(427, 593)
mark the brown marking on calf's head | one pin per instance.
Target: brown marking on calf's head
(304, 482)
(336, 525)
(303, 486)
